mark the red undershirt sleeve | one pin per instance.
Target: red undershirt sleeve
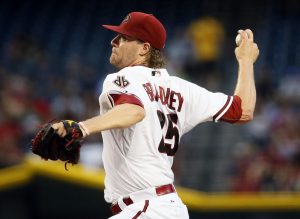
(117, 98)
(233, 113)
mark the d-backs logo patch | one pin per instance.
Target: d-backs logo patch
(121, 81)
(126, 19)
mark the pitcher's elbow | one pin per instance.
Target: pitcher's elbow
(137, 113)
(140, 114)
(246, 117)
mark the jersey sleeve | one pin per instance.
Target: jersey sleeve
(119, 89)
(203, 105)
(234, 112)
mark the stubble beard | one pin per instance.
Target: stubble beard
(115, 61)
(112, 60)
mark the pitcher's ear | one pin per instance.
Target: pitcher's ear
(145, 49)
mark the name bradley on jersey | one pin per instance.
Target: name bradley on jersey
(166, 96)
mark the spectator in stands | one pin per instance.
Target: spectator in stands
(207, 36)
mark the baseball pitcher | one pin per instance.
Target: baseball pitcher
(143, 114)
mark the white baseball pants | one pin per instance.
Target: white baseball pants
(167, 206)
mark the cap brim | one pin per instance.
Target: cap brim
(114, 28)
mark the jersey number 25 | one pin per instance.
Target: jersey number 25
(171, 133)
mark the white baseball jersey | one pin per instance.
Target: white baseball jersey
(141, 156)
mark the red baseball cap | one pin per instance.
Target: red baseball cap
(142, 26)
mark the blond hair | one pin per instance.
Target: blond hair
(156, 59)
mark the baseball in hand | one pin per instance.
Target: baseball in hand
(238, 39)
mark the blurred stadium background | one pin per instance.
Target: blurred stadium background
(54, 57)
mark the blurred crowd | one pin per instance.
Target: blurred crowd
(194, 52)
(37, 87)
(35, 91)
(269, 158)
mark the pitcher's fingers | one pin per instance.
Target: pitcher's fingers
(58, 125)
(250, 34)
(55, 126)
(59, 129)
(244, 35)
(256, 47)
(61, 132)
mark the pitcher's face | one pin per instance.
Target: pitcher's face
(125, 51)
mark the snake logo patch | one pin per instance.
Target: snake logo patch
(121, 82)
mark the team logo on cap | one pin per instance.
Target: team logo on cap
(126, 19)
